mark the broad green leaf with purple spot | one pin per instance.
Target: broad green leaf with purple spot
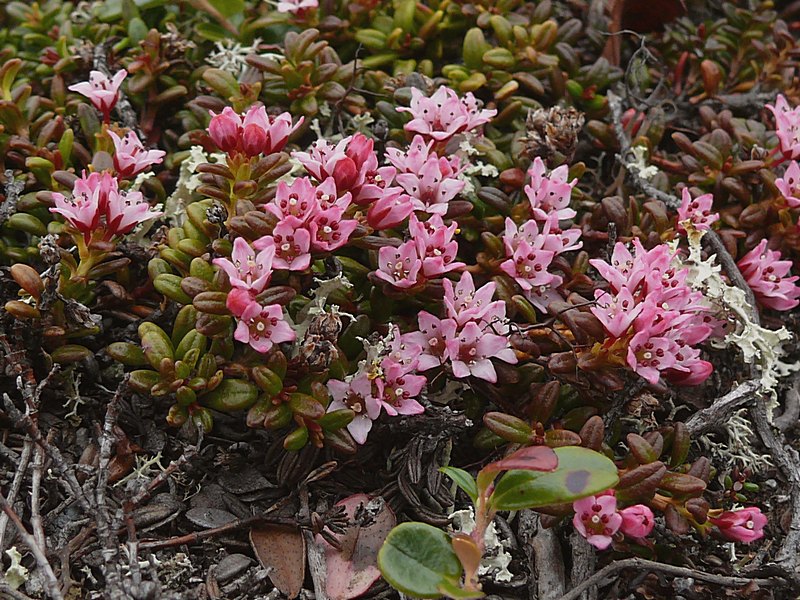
(581, 472)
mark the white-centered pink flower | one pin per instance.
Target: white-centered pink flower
(262, 327)
(596, 518)
(246, 269)
(356, 395)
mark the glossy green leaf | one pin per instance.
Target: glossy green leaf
(418, 559)
(463, 480)
(581, 472)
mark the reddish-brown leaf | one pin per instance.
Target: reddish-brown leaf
(282, 549)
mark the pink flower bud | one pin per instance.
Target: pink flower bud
(224, 129)
(637, 521)
(254, 138)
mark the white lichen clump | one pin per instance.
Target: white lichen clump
(495, 558)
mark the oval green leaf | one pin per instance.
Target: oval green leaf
(463, 480)
(581, 472)
(417, 559)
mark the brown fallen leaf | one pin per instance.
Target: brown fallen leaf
(282, 550)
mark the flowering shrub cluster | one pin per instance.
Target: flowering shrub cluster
(341, 234)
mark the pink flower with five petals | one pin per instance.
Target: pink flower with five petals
(262, 327)
(596, 518)
(130, 157)
(101, 91)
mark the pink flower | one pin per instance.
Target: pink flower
(399, 389)
(430, 181)
(296, 7)
(444, 114)
(130, 157)
(698, 211)
(101, 91)
(224, 129)
(596, 518)
(648, 355)
(329, 230)
(528, 266)
(357, 396)
(743, 525)
(291, 246)
(616, 313)
(89, 197)
(435, 245)
(296, 201)
(789, 184)
(125, 211)
(97, 203)
(402, 350)
(787, 127)
(246, 269)
(238, 300)
(470, 352)
(266, 134)
(399, 267)
(637, 521)
(432, 339)
(263, 326)
(549, 195)
(390, 210)
(766, 275)
(352, 164)
(464, 303)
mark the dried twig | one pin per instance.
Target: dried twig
(607, 572)
(716, 415)
(48, 577)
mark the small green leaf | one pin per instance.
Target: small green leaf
(581, 472)
(417, 559)
(463, 480)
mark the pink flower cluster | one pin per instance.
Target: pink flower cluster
(653, 312)
(250, 274)
(787, 127)
(532, 246)
(385, 381)
(443, 115)
(430, 181)
(311, 219)
(101, 91)
(252, 133)
(767, 276)
(697, 210)
(97, 203)
(743, 525)
(597, 519)
(473, 332)
(430, 253)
